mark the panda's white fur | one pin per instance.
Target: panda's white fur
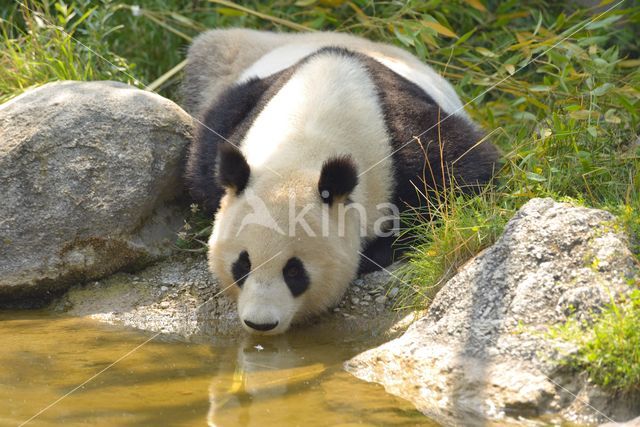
(318, 107)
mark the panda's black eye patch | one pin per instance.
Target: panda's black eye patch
(240, 268)
(295, 276)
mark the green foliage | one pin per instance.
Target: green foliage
(39, 45)
(609, 349)
(449, 230)
(195, 231)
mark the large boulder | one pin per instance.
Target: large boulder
(87, 171)
(483, 350)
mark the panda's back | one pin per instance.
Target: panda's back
(328, 105)
(420, 74)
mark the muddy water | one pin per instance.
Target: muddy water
(287, 381)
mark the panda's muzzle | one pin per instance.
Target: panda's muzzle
(263, 327)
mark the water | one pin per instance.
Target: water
(289, 380)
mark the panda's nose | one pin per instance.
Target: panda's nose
(261, 326)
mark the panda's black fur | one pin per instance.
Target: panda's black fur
(414, 121)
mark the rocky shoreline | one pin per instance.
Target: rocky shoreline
(179, 296)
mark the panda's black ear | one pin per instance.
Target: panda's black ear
(338, 178)
(232, 171)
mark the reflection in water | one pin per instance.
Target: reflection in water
(267, 372)
(294, 379)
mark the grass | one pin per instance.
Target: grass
(34, 49)
(444, 234)
(609, 348)
(557, 88)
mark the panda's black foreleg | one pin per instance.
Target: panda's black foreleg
(378, 254)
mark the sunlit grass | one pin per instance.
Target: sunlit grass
(609, 349)
(442, 235)
(38, 45)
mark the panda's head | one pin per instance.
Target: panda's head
(284, 244)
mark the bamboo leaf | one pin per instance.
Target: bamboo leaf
(603, 22)
(583, 114)
(610, 117)
(439, 28)
(485, 52)
(602, 89)
(476, 4)
(540, 88)
(629, 63)
(532, 176)
(524, 115)
(404, 39)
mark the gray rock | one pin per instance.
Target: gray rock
(86, 170)
(482, 352)
(194, 309)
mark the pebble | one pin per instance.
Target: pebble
(358, 282)
(165, 304)
(367, 297)
(336, 310)
(164, 289)
(364, 303)
(393, 292)
(355, 300)
(381, 299)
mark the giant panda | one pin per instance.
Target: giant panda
(308, 147)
